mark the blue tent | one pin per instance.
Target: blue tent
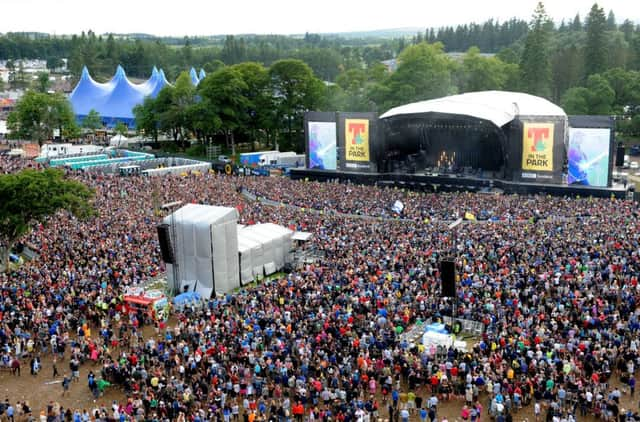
(186, 299)
(202, 75)
(161, 83)
(114, 100)
(194, 76)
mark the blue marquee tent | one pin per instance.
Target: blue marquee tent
(115, 100)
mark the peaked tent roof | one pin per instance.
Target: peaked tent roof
(194, 76)
(161, 83)
(498, 107)
(114, 100)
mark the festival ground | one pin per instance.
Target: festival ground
(42, 390)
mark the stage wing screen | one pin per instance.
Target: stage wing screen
(322, 145)
(588, 156)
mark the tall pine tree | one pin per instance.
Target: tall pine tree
(535, 63)
(595, 59)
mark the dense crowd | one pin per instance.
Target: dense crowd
(347, 198)
(557, 299)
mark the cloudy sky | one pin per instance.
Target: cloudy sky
(209, 17)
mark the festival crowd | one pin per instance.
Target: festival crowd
(557, 297)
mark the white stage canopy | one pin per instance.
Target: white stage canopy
(498, 107)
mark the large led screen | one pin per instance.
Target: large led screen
(322, 145)
(588, 156)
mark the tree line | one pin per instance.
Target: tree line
(590, 67)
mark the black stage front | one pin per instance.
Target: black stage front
(452, 182)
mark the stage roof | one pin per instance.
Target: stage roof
(498, 107)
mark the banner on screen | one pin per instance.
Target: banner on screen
(357, 139)
(537, 146)
(322, 145)
(588, 156)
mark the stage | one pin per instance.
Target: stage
(457, 182)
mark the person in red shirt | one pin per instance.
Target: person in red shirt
(454, 373)
(434, 383)
(298, 411)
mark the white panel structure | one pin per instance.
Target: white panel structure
(213, 256)
(259, 251)
(249, 251)
(205, 243)
(196, 166)
(270, 247)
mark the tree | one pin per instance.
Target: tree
(295, 90)
(596, 98)
(37, 114)
(111, 54)
(626, 85)
(575, 101)
(617, 50)
(479, 73)
(92, 121)
(352, 94)
(635, 51)
(225, 92)
(601, 95)
(121, 129)
(535, 64)
(174, 107)
(42, 83)
(259, 107)
(576, 25)
(147, 118)
(30, 196)
(508, 55)
(182, 98)
(234, 50)
(424, 72)
(54, 63)
(187, 52)
(212, 66)
(325, 62)
(566, 65)
(611, 21)
(596, 46)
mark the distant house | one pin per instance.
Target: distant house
(391, 64)
(458, 55)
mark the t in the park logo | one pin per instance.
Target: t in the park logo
(357, 139)
(538, 142)
(537, 146)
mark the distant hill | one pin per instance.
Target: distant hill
(379, 33)
(374, 33)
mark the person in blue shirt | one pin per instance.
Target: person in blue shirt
(423, 415)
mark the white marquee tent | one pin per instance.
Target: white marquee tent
(119, 141)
